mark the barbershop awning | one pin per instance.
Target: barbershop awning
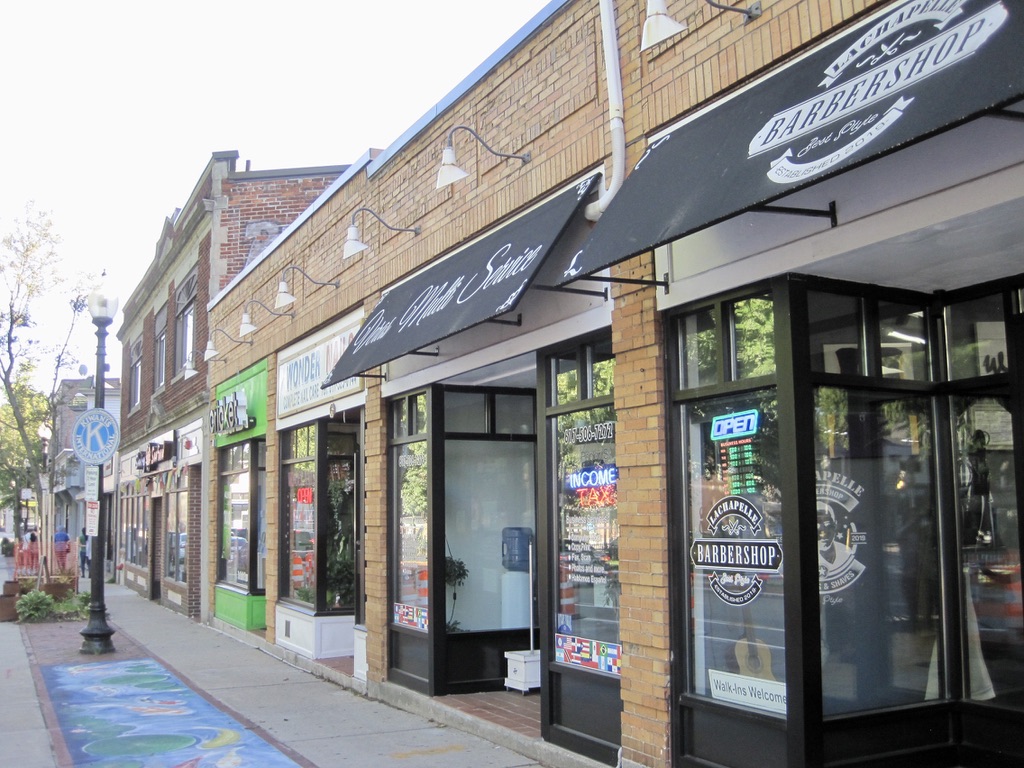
(915, 70)
(483, 280)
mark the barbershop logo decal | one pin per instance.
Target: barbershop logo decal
(736, 554)
(838, 536)
(871, 85)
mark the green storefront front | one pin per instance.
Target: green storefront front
(238, 423)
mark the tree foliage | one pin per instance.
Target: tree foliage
(35, 294)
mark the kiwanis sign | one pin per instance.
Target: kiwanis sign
(732, 555)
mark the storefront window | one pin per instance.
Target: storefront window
(566, 378)
(904, 341)
(412, 595)
(298, 491)
(340, 522)
(993, 634)
(976, 338)
(514, 415)
(602, 369)
(176, 525)
(465, 412)
(135, 528)
(735, 551)
(877, 551)
(489, 525)
(587, 622)
(836, 331)
(753, 328)
(140, 549)
(698, 338)
(235, 491)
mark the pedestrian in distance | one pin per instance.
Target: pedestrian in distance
(83, 553)
(61, 545)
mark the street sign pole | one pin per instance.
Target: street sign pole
(99, 439)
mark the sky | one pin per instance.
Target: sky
(112, 109)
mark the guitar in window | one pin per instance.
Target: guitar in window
(752, 654)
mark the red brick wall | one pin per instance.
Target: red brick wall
(260, 209)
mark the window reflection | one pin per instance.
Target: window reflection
(993, 636)
(877, 550)
(976, 338)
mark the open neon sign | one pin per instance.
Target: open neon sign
(734, 425)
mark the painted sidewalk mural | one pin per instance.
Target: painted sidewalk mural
(136, 714)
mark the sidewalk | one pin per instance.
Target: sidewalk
(311, 720)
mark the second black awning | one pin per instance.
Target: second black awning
(907, 73)
(483, 280)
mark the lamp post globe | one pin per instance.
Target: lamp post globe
(97, 633)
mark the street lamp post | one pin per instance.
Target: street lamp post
(97, 632)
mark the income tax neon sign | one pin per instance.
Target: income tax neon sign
(594, 486)
(732, 425)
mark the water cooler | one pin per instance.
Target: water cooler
(515, 581)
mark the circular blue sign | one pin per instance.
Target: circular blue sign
(95, 436)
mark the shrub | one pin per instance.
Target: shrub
(35, 606)
(6, 547)
(75, 607)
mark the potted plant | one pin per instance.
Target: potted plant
(455, 575)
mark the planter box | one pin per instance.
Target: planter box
(7, 609)
(12, 587)
(60, 590)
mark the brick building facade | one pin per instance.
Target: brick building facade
(766, 348)
(230, 217)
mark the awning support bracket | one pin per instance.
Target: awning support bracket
(1007, 114)
(603, 293)
(830, 214)
(753, 12)
(631, 281)
(518, 322)
(435, 352)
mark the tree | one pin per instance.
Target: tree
(33, 284)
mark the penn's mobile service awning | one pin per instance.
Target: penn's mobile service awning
(909, 72)
(485, 279)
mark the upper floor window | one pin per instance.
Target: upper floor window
(185, 300)
(160, 349)
(135, 375)
(185, 332)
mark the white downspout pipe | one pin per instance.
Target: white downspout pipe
(616, 126)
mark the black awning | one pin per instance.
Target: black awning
(482, 281)
(910, 72)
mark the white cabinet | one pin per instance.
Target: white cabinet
(523, 670)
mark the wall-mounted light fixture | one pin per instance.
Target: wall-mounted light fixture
(211, 351)
(284, 298)
(247, 327)
(449, 172)
(189, 368)
(660, 26)
(354, 245)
